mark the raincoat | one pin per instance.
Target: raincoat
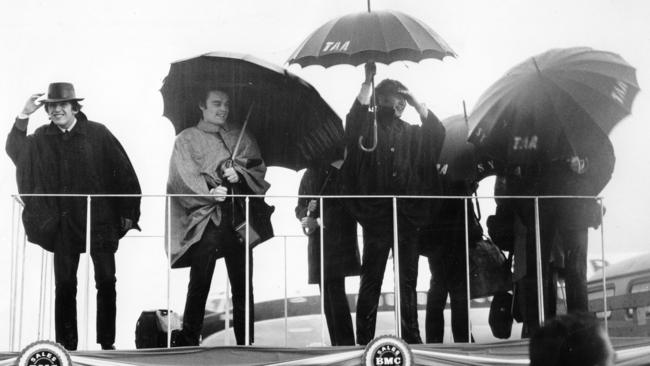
(198, 153)
(340, 229)
(86, 160)
(404, 163)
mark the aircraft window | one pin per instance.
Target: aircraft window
(422, 298)
(642, 285)
(598, 294)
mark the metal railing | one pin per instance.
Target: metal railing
(18, 257)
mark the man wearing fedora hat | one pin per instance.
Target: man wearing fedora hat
(74, 156)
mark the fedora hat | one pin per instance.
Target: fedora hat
(60, 92)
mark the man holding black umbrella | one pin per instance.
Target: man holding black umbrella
(403, 163)
(203, 224)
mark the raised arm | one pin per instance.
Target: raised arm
(17, 139)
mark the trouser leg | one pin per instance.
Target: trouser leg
(236, 266)
(65, 303)
(408, 262)
(373, 265)
(337, 313)
(529, 300)
(459, 314)
(104, 265)
(436, 301)
(202, 268)
(576, 270)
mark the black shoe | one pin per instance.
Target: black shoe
(108, 347)
(180, 339)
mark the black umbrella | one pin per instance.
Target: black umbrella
(572, 96)
(457, 159)
(382, 36)
(292, 124)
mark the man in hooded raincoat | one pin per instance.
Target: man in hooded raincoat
(202, 227)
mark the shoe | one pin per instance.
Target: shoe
(108, 347)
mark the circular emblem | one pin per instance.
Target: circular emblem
(387, 350)
(44, 353)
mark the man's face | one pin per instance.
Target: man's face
(217, 106)
(393, 100)
(61, 113)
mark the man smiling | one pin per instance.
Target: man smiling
(73, 155)
(204, 168)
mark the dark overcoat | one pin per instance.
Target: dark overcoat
(86, 160)
(341, 255)
(404, 163)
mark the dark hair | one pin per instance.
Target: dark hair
(202, 96)
(573, 339)
(388, 86)
(73, 103)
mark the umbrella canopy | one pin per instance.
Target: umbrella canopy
(293, 125)
(457, 161)
(382, 36)
(568, 91)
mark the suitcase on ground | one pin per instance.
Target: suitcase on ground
(151, 328)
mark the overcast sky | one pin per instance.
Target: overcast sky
(118, 52)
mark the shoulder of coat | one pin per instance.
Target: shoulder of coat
(41, 130)
(92, 125)
(189, 133)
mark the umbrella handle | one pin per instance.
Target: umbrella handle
(304, 229)
(374, 145)
(374, 125)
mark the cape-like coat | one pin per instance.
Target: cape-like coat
(86, 160)
(198, 153)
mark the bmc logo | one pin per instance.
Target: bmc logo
(44, 353)
(387, 350)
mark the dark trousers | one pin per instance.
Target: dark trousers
(204, 256)
(527, 286)
(448, 278)
(65, 303)
(573, 244)
(337, 312)
(378, 242)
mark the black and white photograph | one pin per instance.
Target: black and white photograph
(343, 182)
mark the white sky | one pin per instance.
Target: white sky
(117, 53)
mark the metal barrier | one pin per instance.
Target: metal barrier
(18, 246)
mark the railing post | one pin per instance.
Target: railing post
(396, 276)
(41, 298)
(226, 325)
(14, 275)
(88, 259)
(52, 293)
(602, 248)
(467, 274)
(22, 291)
(322, 271)
(169, 268)
(538, 265)
(286, 303)
(247, 277)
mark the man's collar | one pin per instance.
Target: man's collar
(80, 126)
(74, 123)
(213, 128)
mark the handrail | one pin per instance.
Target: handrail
(17, 279)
